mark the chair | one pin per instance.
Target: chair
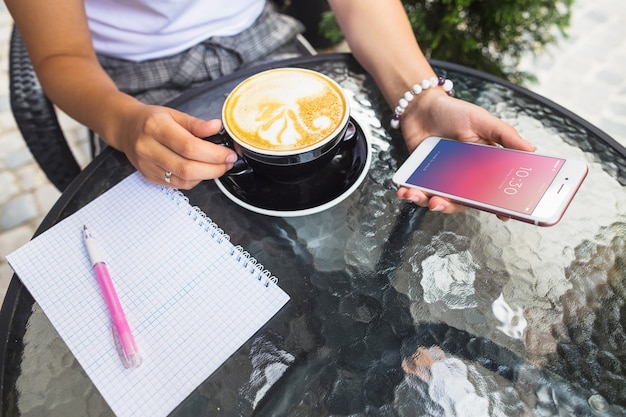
(37, 120)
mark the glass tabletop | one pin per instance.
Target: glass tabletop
(394, 311)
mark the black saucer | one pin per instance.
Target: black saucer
(308, 195)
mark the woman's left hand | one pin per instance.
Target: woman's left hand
(437, 114)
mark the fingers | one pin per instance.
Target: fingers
(168, 149)
(186, 144)
(186, 173)
(187, 177)
(435, 203)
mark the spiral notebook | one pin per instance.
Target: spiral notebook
(191, 297)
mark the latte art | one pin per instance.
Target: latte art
(285, 110)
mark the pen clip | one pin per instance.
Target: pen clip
(119, 348)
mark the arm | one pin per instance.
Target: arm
(154, 138)
(381, 38)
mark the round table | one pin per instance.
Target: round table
(394, 311)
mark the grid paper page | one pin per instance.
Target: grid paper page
(189, 302)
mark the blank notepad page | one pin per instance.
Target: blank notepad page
(191, 298)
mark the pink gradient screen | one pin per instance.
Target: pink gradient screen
(496, 176)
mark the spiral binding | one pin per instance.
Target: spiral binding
(244, 258)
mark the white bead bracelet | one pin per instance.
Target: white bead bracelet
(417, 89)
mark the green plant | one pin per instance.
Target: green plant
(488, 35)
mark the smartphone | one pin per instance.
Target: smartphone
(525, 186)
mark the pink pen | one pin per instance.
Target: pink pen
(122, 336)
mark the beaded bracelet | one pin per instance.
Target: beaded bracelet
(417, 89)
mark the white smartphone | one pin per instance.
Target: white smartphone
(526, 186)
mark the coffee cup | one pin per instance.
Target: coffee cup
(285, 123)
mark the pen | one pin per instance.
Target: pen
(122, 336)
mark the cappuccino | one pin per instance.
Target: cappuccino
(285, 109)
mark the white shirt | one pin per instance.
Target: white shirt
(138, 30)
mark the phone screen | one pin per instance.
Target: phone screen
(503, 178)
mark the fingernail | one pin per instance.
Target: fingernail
(231, 158)
(438, 208)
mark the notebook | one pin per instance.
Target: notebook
(191, 297)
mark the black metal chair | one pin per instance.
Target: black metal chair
(37, 119)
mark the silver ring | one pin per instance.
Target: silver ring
(168, 176)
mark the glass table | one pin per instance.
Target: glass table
(394, 311)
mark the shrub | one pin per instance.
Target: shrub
(488, 35)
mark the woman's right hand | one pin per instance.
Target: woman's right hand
(157, 139)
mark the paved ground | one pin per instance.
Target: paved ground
(584, 73)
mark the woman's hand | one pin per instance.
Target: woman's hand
(437, 114)
(158, 139)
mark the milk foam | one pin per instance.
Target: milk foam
(285, 110)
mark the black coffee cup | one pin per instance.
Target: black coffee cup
(285, 123)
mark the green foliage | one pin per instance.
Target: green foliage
(488, 35)
(329, 27)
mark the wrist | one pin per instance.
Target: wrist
(424, 86)
(115, 119)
